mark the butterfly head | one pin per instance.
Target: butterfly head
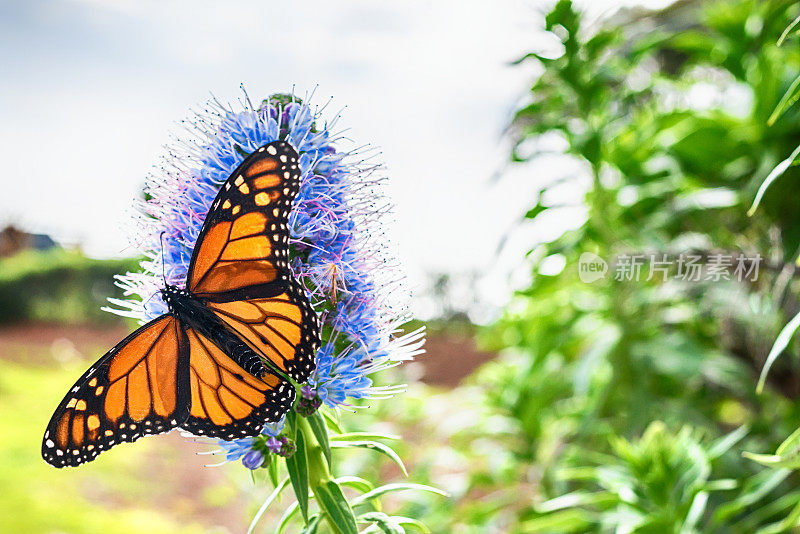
(172, 295)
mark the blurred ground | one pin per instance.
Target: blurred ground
(160, 483)
(449, 358)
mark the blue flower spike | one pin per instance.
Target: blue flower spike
(338, 247)
(338, 252)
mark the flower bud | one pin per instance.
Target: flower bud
(253, 459)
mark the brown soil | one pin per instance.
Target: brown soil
(450, 358)
(38, 344)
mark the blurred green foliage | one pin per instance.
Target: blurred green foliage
(58, 285)
(667, 114)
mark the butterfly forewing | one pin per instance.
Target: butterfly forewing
(243, 245)
(139, 387)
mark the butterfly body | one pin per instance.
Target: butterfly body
(216, 364)
(195, 314)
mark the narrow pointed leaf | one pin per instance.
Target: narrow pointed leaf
(320, 430)
(384, 522)
(313, 525)
(360, 436)
(297, 466)
(776, 173)
(789, 442)
(333, 424)
(788, 30)
(290, 512)
(272, 470)
(788, 99)
(371, 445)
(781, 342)
(389, 488)
(724, 444)
(356, 483)
(332, 501)
(409, 522)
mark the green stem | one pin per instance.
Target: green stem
(318, 472)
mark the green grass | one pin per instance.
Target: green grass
(105, 495)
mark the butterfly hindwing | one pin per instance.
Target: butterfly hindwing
(243, 245)
(139, 387)
(227, 401)
(282, 327)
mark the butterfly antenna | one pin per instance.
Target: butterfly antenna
(163, 268)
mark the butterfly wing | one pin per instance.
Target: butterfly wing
(227, 401)
(240, 262)
(242, 247)
(282, 327)
(139, 387)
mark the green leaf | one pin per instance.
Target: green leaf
(776, 173)
(576, 499)
(532, 55)
(320, 430)
(786, 454)
(297, 466)
(290, 511)
(788, 30)
(332, 501)
(291, 424)
(789, 442)
(357, 483)
(389, 488)
(384, 522)
(272, 496)
(358, 436)
(372, 445)
(790, 461)
(786, 525)
(272, 470)
(781, 342)
(535, 211)
(724, 444)
(564, 521)
(755, 489)
(788, 99)
(313, 525)
(333, 424)
(695, 513)
(409, 522)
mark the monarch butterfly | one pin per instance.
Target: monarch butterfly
(218, 363)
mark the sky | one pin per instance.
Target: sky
(90, 90)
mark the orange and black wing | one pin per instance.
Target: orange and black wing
(243, 248)
(240, 263)
(282, 327)
(227, 401)
(139, 387)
